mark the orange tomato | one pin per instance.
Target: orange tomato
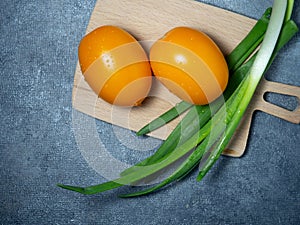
(190, 65)
(115, 66)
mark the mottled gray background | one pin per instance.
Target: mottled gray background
(38, 56)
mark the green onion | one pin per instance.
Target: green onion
(174, 112)
(289, 10)
(261, 63)
(250, 43)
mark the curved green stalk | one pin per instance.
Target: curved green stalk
(289, 10)
(174, 112)
(250, 42)
(257, 70)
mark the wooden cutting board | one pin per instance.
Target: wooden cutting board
(149, 20)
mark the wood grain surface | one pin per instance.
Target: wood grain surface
(147, 21)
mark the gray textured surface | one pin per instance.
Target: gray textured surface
(38, 56)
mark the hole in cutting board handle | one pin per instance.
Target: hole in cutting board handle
(287, 102)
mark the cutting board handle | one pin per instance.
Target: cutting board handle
(238, 142)
(292, 116)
